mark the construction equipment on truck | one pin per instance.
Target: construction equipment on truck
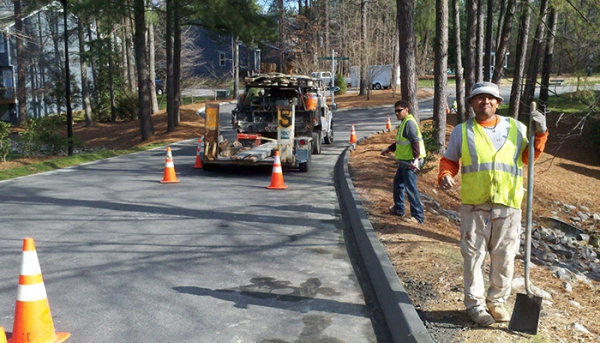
(280, 112)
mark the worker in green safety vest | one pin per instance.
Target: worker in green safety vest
(489, 150)
(409, 150)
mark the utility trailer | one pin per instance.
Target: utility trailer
(253, 148)
(278, 111)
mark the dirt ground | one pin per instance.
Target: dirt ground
(427, 258)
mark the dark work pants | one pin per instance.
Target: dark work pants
(406, 180)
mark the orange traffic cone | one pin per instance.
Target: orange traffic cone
(33, 321)
(388, 124)
(169, 175)
(2, 335)
(277, 175)
(352, 135)
(199, 152)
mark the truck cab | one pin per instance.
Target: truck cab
(324, 76)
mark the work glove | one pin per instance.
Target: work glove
(540, 121)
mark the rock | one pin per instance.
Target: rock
(585, 208)
(575, 304)
(580, 328)
(562, 251)
(582, 215)
(518, 283)
(453, 215)
(596, 217)
(541, 293)
(590, 254)
(583, 279)
(595, 240)
(593, 276)
(562, 274)
(567, 287)
(583, 237)
(575, 219)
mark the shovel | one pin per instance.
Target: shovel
(526, 314)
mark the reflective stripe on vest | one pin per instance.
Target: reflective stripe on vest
(403, 145)
(490, 175)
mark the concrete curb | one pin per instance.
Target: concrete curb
(400, 315)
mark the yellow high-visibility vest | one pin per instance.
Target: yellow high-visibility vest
(403, 146)
(490, 175)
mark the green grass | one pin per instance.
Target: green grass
(185, 100)
(430, 83)
(60, 162)
(570, 104)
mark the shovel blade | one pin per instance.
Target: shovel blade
(526, 314)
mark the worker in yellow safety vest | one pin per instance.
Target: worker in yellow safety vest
(492, 150)
(409, 150)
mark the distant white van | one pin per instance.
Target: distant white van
(380, 76)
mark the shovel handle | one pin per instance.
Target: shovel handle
(529, 214)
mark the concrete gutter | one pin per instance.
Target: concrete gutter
(400, 315)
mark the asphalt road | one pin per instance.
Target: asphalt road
(215, 258)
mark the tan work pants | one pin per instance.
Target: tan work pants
(494, 229)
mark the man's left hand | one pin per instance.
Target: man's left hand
(540, 121)
(415, 165)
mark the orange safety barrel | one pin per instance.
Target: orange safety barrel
(310, 101)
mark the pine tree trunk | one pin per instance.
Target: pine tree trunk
(21, 76)
(547, 64)
(515, 93)
(85, 90)
(408, 76)
(440, 101)
(534, 62)
(144, 109)
(152, 60)
(503, 41)
(458, 71)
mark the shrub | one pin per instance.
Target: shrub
(43, 136)
(340, 82)
(429, 133)
(5, 141)
(126, 106)
(594, 134)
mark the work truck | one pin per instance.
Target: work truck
(277, 111)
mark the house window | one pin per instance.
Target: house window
(222, 59)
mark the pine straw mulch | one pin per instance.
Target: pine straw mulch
(427, 257)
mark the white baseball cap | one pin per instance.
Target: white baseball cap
(485, 88)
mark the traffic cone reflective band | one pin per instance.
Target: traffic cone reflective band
(277, 175)
(388, 124)
(2, 335)
(199, 154)
(169, 175)
(352, 135)
(33, 320)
